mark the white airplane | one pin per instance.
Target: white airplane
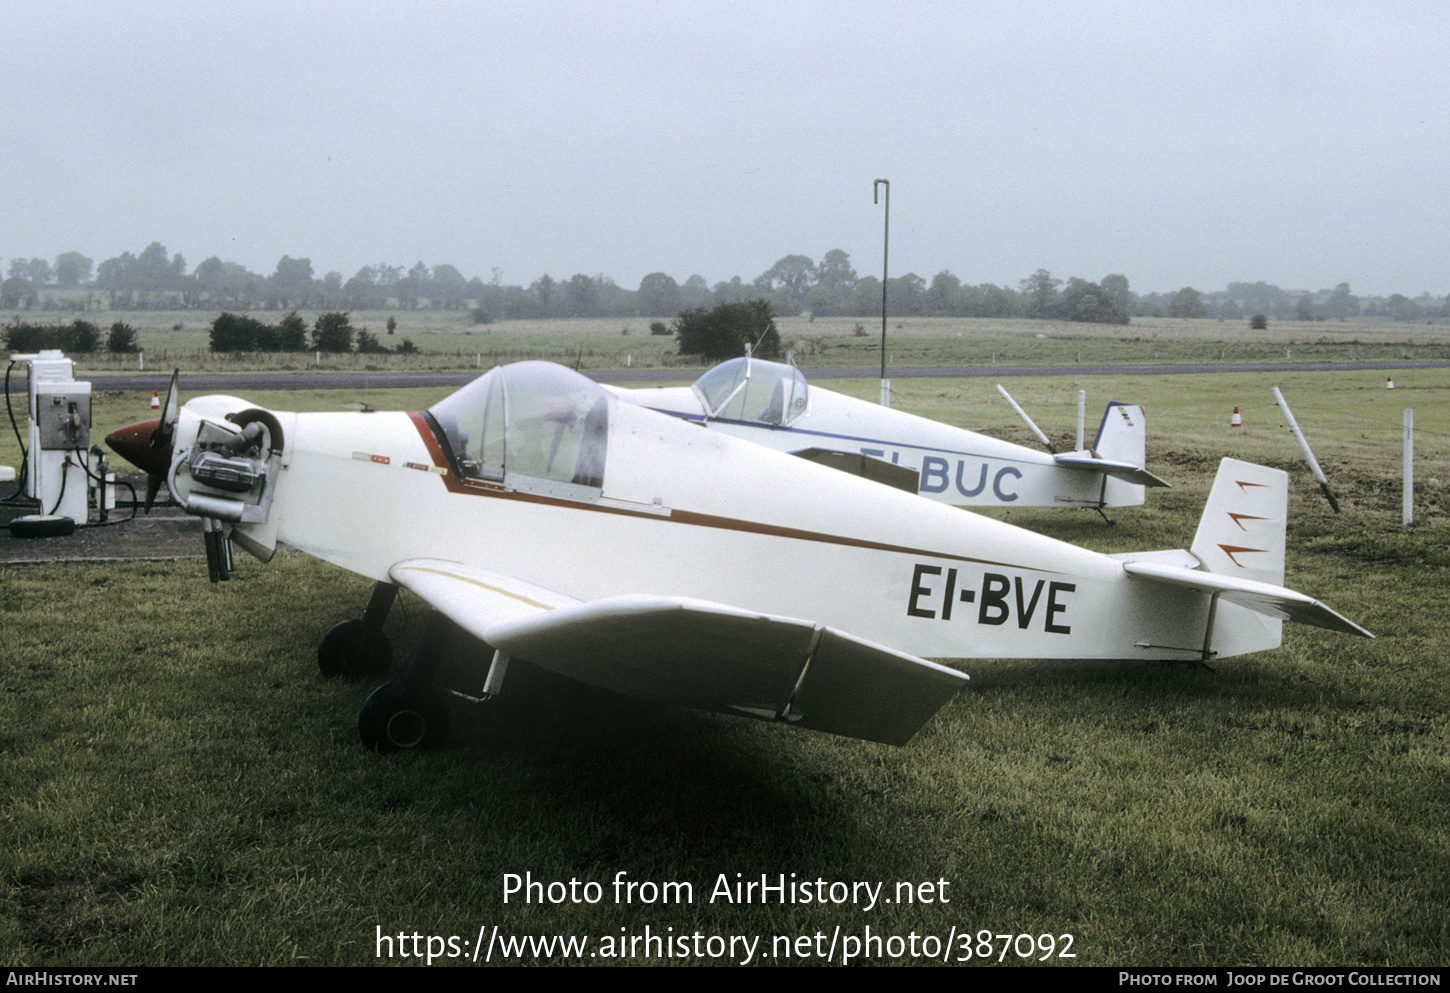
(771, 404)
(637, 552)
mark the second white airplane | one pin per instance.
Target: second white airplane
(771, 404)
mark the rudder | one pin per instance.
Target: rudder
(1122, 434)
(1244, 521)
(1122, 437)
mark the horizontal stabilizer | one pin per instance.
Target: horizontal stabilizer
(695, 653)
(1265, 598)
(1125, 471)
(865, 466)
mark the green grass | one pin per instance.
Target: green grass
(180, 786)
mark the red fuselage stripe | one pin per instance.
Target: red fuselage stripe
(461, 486)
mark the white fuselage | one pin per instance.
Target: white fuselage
(956, 467)
(691, 512)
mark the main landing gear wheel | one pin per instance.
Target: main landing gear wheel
(401, 716)
(345, 651)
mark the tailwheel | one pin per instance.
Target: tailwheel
(400, 715)
(347, 650)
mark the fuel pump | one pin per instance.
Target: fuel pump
(58, 437)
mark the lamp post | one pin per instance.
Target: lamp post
(885, 249)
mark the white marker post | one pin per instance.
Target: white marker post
(1081, 416)
(1407, 510)
(1304, 446)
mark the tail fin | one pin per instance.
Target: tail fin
(1122, 434)
(1242, 529)
(1118, 453)
(1240, 551)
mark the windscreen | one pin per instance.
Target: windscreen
(747, 389)
(529, 420)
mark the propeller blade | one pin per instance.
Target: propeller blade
(170, 411)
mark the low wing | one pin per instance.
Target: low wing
(1126, 471)
(695, 653)
(1265, 598)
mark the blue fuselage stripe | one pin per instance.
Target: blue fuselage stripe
(873, 442)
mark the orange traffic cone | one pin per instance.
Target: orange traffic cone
(1389, 383)
(1236, 421)
(155, 400)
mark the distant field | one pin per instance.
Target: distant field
(181, 787)
(448, 340)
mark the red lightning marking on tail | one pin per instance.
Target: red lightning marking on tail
(1245, 485)
(1240, 518)
(1231, 550)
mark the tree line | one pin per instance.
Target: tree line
(331, 332)
(794, 285)
(79, 336)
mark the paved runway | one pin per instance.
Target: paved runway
(202, 383)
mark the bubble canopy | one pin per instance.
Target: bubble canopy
(532, 425)
(747, 389)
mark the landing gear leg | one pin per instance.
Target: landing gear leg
(219, 564)
(411, 713)
(1103, 501)
(360, 648)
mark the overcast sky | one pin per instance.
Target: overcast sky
(1179, 144)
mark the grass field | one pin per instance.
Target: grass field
(180, 786)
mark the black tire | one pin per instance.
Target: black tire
(42, 526)
(400, 717)
(343, 652)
